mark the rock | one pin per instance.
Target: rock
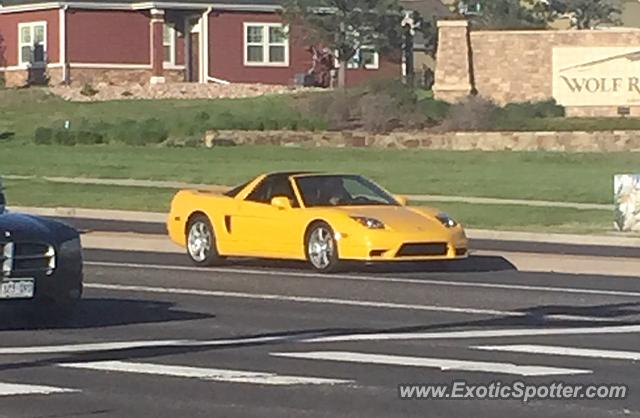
(173, 91)
(210, 138)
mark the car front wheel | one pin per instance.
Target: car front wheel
(201, 242)
(321, 248)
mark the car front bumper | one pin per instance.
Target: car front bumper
(382, 245)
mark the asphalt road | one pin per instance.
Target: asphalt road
(155, 337)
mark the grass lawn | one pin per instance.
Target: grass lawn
(564, 177)
(22, 111)
(45, 194)
(508, 217)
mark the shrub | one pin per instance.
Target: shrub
(377, 113)
(88, 90)
(152, 131)
(380, 105)
(89, 138)
(193, 142)
(434, 110)
(473, 114)
(43, 136)
(64, 137)
(515, 116)
(202, 117)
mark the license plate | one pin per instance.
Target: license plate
(17, 289)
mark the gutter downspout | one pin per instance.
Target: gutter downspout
(205, 46)
(62, 35)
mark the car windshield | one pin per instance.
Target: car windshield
(342, 190)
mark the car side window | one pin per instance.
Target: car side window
(271, 187)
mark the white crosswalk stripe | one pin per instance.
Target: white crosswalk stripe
(220, 375)
(562, 351)
(436, 363)
(13, 389)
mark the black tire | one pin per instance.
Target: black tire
(206, 255)
(331, 263)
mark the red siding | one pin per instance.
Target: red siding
(179, 49)
(108, 36)
(9, 34)
(226, 53)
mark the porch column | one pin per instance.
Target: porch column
(157, 49)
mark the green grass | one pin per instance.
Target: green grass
(504, 217)
(22, 111)
(565, 177)
(45, 194)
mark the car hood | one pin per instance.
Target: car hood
(21, 227)
(397, 218)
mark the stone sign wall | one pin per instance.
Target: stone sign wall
(599, 67)
(597, 76)
(604, 141)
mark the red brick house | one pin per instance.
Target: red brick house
(155, 41)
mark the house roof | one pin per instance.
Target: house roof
(424, 7)
(175, 3)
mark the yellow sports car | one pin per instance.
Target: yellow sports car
(318, 217)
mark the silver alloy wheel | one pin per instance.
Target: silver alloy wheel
(320, 247)
(199, 241)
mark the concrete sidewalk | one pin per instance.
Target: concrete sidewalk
(221, 188)
(532, 262)
(613, 240)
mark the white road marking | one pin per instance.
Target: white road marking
(81, 348)
(219, 375)
(305, 338)
(499, 333)
(563, 351)
(366, 278)
(130, 345)
(13, 389)
(435, 363)
(329, 301)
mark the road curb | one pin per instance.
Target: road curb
(155, 221)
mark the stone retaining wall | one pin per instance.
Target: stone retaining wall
(605, 141)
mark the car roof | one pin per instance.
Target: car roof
(324, 174)
(290, 173)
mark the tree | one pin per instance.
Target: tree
(587, 14)
(347, 26)
(506, 14)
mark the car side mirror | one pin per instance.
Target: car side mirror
(401, 199)
(281, 202)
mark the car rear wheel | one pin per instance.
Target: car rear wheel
(321, 248)
(201, 242)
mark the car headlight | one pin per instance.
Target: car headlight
(446, 220)
(71, 249)
(370, 223)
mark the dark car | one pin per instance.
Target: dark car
(40, 261)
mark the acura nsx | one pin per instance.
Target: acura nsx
(318, 217)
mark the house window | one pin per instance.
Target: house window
(169, 44)
(365, 58)
(32, 43)
(266, 44)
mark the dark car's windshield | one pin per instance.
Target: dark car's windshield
(342, 190)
